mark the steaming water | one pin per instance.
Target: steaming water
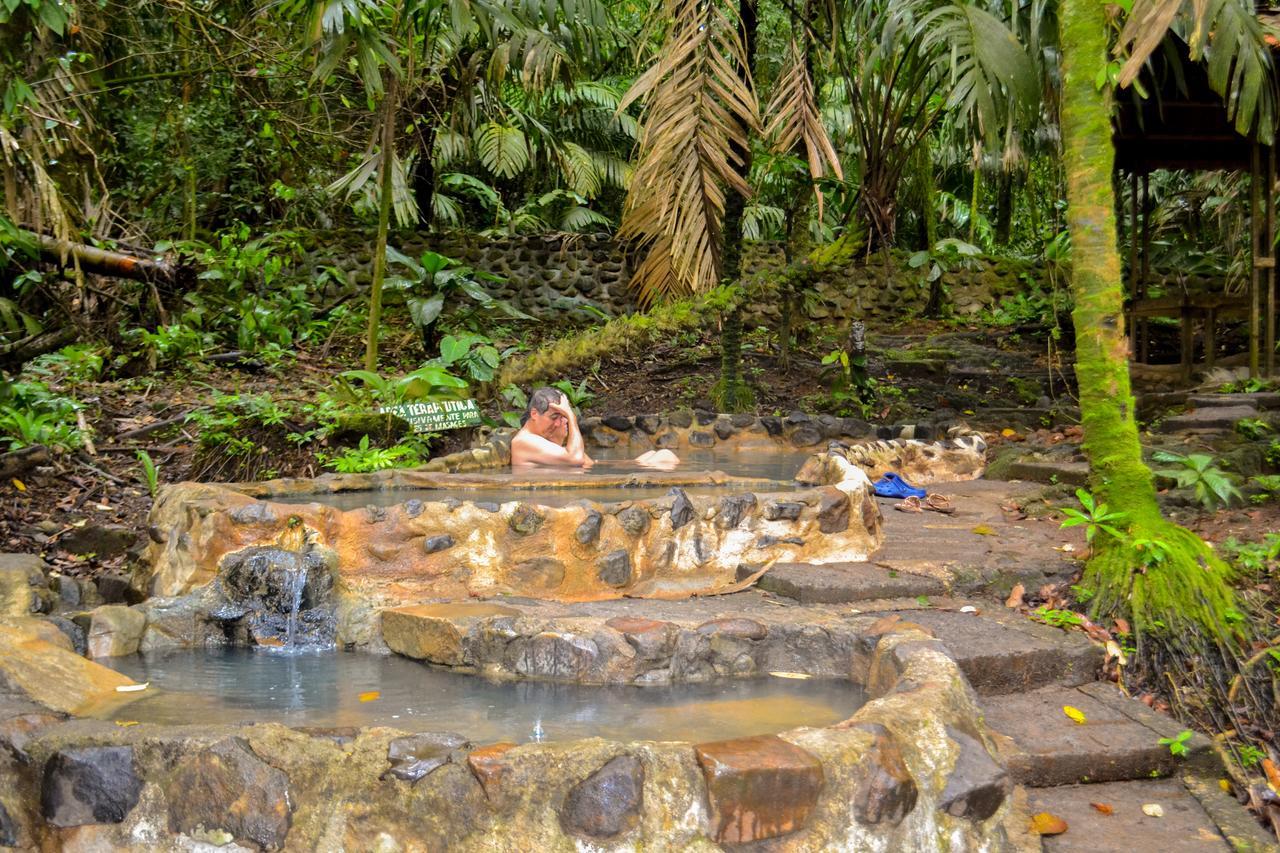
(229, 685)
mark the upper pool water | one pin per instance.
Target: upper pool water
(562, 486)
(235, 685)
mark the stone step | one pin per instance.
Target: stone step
(1001, 651)
(1260, 400)
(1071, 473)
(841, 583)
(1118, 741)
(1212, 419)
(1185, 826)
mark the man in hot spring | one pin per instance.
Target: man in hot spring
(549, 437)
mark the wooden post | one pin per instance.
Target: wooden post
(1187, 340)
(1210, 336)
(1255, 254)
(1269, 249)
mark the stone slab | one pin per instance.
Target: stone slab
(1261, 400)
(1212, 419)
(1046, 747)
(1071, 473)
(1002, 652)
(837, 583)
(1184, 828)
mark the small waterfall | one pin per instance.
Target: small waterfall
(297, 580)
(538, 733)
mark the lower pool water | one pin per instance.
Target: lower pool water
(339, 689)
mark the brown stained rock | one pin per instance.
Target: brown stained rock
(20, 576)
(602, 437)
(228, 787)
(489, 766)
(733, 508)
(884, 791)
(92, 784)
(443, 542)
(833, 511)
(608, 802)
(736, 627)
(652, 640)
(723, 428)
(758, 787)
(621, 423)
(525, 520)
(614, 568)
(648, 423)
(634, 520)
(564, 657)
(667, 440)
(114, 630)
(681, 419)
(806, 436)
(434, 632)
(977, 785)
(417, 756)
(545, 573)
(588, 532)
(784, 510)
(17, 732)
(870, 513)
(701, 438)
(682, 511)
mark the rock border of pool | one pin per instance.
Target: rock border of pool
(912, 769)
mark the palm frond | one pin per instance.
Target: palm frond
(700, 108)
(796, 117)
(502, 149)
(988, 67)
(1226, 33)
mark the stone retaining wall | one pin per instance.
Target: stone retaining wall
(553, 275)
(913, 769)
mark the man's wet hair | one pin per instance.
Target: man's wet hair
(541, 400)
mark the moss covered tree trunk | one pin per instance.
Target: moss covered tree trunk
(385, 190)
(1175, 591)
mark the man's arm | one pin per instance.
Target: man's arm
(575, 447)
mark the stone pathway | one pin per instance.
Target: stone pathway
(1026, 673)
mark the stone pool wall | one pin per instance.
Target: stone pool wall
(913, 769)
(421, 549)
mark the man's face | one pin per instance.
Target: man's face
(551, 425)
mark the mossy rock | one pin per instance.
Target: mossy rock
(380, 427)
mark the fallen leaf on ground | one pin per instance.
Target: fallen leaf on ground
(132, 688)
(968, 608)
(984, 530)
(370, 695)
(126, 723)
(1015, 596)
(1074, 714)
(798, 675)
(1048, 824)
(1273, 775)
(1102, 808)
(1225, 785)
(19, 485)
(1008, 433)
(1152, 810)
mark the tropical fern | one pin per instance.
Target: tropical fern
(502, 149)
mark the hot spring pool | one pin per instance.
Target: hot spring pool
(236, 685)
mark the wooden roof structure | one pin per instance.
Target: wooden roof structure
(1184, 125)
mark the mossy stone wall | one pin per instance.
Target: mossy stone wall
(556, 275)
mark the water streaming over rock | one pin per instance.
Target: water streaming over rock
(277, 598)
